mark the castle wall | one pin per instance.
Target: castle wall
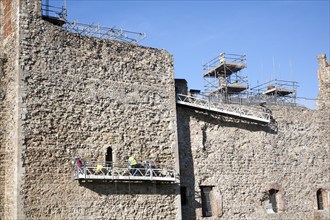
(243, 161)
(79, 96)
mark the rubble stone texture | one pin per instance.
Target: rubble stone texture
(64, 95)
(67, 95)
(324, 81)
(243, 161)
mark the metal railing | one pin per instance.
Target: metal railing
(222, 58)
(276, 92)
(53, 11)
(244, 112)
(95, 30)
(92, 30)
(93, 170)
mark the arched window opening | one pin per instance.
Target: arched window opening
(319, 197)
(108, 156)
(272, 199)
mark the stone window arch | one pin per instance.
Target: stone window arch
(321, 199)
(109, 155)
(273, 199)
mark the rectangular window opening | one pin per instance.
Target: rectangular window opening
(183, 191)
(319, 200)
(206, 201)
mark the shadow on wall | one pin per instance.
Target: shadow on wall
(187, 178)
(217, 119)
(191, 195)
(128, 188)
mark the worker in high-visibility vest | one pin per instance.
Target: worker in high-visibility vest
(132, 164)
(99, 168)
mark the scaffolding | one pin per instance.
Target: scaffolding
(53, 14)
(275, 92)
(58, 16)
(249, 113)
(109, 171)
(222, 76)
(95, 30)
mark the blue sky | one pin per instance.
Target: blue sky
(281, 39)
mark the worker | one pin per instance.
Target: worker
(99, 168)
(79, 163)
(132, 164)
(222, 58)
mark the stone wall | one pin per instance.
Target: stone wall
(243, 161)
(79, 96)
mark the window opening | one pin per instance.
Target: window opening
(272, 199)
(183, 191)
(108, 156)
(319, 200)
(206, 201)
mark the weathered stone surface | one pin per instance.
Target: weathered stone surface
(324, 82)
(78, 96)
(243, 161)
(65, 95)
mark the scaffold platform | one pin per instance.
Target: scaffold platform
(90, 171)
(224, 68)
(232, 110)
(224, 64)
(231, 88)
(278, 91)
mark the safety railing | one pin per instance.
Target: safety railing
(276, 92)
(244, 112)
(53, 11)
(91, 170)
(95, 30)
(222, 58)
(58, 15)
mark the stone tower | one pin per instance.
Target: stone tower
(324, 82)
(65, 95)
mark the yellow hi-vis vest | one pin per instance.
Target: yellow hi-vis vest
(131, 161)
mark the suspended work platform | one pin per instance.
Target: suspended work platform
(237, 111)
(91, 170)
